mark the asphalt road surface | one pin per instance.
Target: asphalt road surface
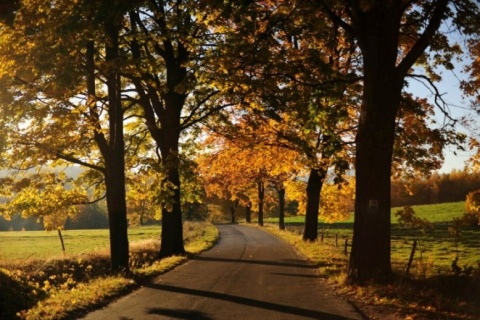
(249, 274)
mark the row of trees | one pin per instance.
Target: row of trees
(277, 89)
(437, 188)
(88, 217)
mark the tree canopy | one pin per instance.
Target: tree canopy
(281, 90)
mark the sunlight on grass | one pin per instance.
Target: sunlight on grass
(436, 248)
(21, 245)
(67, 286)
(64, 303)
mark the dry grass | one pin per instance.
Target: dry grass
(69, 287)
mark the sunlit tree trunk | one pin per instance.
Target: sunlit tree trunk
(172, 222)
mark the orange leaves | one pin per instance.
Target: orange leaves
(337, 200)
(235, 166)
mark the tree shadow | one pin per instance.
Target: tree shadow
(311, 276)
(180, 314)
(16, 295)
(280, 263)
(313, 314)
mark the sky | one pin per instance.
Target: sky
(459, 107)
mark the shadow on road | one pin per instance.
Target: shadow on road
(244, 301)
(180, 314)
(311, 276)
(281, 263)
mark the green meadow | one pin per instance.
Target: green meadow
(37, 278)
(38, 245)
(436, 249)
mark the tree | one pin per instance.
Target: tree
(392, 36)
(65, 93)
(293, 70)
(171, 49)
(142, 198)
(247, 161)
(45, 197)
(472, 206)
(337, 200)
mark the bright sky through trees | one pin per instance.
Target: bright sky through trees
(449, 88)
(458, 106)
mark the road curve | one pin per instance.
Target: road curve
(249, 274)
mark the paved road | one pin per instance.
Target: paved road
(249, 274)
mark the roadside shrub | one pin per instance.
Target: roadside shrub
(472, 208)
(408, 219)
(19, 296)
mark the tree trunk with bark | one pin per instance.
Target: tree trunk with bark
(172, 222)
(261, 196)
(281, 208)
(233, 209)
(314, 187)
(114, 156)
(248, 212)
(377, 29)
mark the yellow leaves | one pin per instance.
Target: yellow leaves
(337, 200)
(46, 196)
(46, 285)
(144, 197)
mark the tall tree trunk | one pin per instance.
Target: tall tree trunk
(370, 255)
(172, 222)
(248, 212)
(314, 187)
(117, 216)
(281, 208)
(377, 28)
(261, 196)
(233, 208)
(115, 158)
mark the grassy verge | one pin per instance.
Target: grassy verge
(68, 287)
(436, 296)
(437, 247)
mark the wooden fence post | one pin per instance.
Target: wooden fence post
(410, 260)
(61, 239)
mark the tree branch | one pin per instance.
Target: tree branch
(438, 99)
(424, 40)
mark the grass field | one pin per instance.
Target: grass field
(38, 281)
(435, 213)
(436, 251)
(436, 247)
(23, 245)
